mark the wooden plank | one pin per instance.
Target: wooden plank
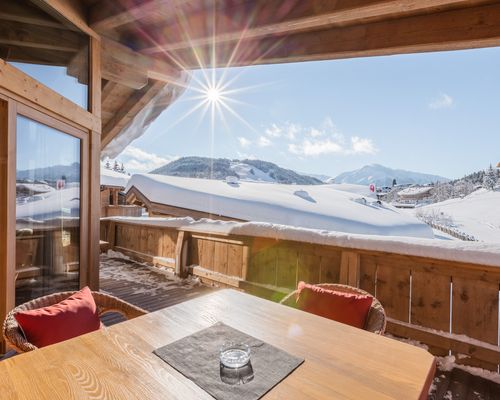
(393, 290)
(303, 16)
(32, 91)
(180, 269)
(40, 37)
(263, 258)
(330, 268)
(119, 360)
(368, 274)
(430, 300)
(467, 28)
(477, 350)
(207, 256)
(309, 266)
(7, 216)
(349, 268)
(235, 260)
(286, 265)
(19, 12)
(130, 108)
(71, 10)
(475, 313)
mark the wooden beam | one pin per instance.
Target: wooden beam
(18, 12)
(265, 18)
(474, 348)
(30, 91)
(450, 30)
(7, 200)
(40, 37)
(72, 11)
(108, 15)
(127, 67)
(129, 110)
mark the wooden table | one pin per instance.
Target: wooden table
(117, 363)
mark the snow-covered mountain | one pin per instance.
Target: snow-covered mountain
(384, 176)
(245, 170)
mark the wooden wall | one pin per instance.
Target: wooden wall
(425, 299)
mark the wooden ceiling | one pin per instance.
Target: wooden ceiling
(199, 33)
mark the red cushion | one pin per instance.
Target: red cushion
(62, 321)
(348, 308)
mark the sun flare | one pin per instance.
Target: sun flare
(213, 95)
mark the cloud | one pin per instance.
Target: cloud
(137, 160)
(315, 147)
(288, 131)
(362, 146)
(320, 140)
(244, 142)
(264, 142)
(442, 101)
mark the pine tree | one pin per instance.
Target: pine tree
(490, 179)
(108, 165)
(116, 167)
(122, 169)
(394, 183)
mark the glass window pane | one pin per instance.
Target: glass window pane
(51, 51)
(47, 210)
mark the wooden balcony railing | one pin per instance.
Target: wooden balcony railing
(451, 306)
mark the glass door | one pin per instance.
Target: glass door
(48, 209)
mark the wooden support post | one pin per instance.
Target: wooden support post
(181, 253)
(111, 236)
(349, 268)
(246, 262)
(7, 211)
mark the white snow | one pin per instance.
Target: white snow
(467, 252)
(54, 204)
(34, 187)
(324, 207)
(477, 214)
(113, 178)
(250, 173)
(415, 190)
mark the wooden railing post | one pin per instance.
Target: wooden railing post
(349, 268)
(181, 253)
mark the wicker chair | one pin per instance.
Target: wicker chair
(15, 339)
(376, 320)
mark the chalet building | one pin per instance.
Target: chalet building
(81, 79)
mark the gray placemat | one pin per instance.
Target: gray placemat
(197, 358)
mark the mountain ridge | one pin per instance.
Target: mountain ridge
(221, 168)
(384, 176)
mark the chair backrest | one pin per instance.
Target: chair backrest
(105, 303)
(376, 320)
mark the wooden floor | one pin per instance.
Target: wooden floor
(153, 289)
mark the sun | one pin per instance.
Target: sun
(213, 95)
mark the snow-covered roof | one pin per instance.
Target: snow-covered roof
(308, 206)
(113, 178)
(415, 191)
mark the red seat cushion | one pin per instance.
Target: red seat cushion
(348, 308)
(72, 317)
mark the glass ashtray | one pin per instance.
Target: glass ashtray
(234, 355)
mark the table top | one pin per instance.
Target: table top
(341, 362)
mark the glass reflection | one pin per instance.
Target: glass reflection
(47, 210)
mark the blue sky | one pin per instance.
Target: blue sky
(435, 113)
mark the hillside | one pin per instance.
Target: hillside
(245, 170)
(476, 214)
(71, 173)
(384, 176)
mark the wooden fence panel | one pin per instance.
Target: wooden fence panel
(330, 267)
(220, 258)
(263, 265)
(368, 274)
(393, 290)
(286, 265)
(235, 260)
(309, 267)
